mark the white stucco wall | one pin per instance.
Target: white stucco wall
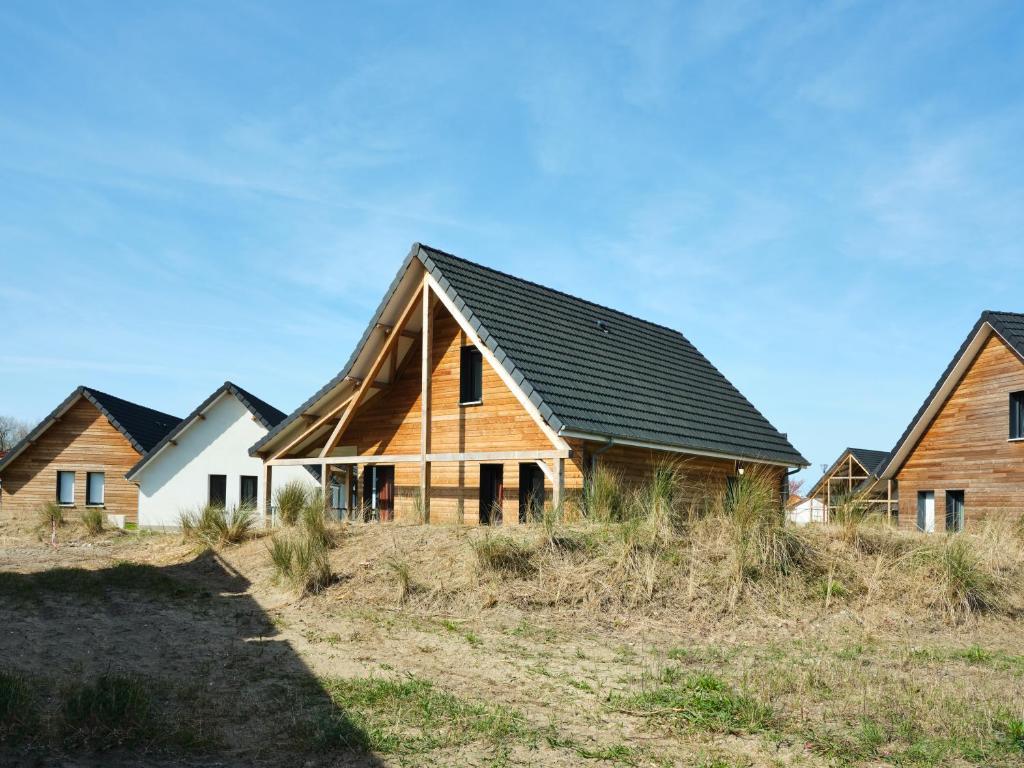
(177, 479)
(807, 511)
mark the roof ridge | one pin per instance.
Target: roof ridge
(552, 290)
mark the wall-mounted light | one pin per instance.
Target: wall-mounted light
(740, 468)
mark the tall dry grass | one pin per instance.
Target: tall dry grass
(678, 540)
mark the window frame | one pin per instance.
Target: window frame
(209, 489)
(242, 500)
(1016, 416)
(960, 519)
(73, 483)
(471, 360)
(103, 490)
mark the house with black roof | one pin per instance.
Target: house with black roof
(853, 478)
(961, 458)
(476, 396)
(78, 455)
(204, 460)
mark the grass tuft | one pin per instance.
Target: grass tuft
(113, 711)
(215, 526)
(290, 499)
(19, 710)
(92, 519)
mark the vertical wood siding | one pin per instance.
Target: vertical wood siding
(82, 441)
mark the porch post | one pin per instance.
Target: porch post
(427, 339)
(268, 494)
(558, 486)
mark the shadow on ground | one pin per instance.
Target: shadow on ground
(154, 666)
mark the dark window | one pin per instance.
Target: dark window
(379, 492)
(247, 491)
(531, 492)
(471, 376)
(954, 511)
(926, 511)
(1016, 415)
(491, 491)
(95, 483)
(218, 490)
(65, 487)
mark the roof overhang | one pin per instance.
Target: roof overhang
(571, 433)
(983, 331)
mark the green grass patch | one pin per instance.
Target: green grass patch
(698, 702)
(19, 710)
(411, 716)
(974, 655)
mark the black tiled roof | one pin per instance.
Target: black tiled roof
(599, 371)
(1009, 325)
(592, 369)
(143, 427)
(869, 459)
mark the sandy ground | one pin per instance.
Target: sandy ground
(248, 659)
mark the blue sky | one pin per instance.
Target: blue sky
(821, 196)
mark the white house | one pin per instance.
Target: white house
(804, 511)
(205, 460)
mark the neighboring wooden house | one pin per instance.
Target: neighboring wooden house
(205, 460)
(475, 396)
(855, 474)
(77, 456)
(961, 459)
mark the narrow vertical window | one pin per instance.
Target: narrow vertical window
(954, 511)
(95, 485)
(471, 376)
(218, 490)
(1016, 415)
(66, 488)
(926, 511)
(247, 491)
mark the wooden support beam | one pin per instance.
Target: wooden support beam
(558, 486)
(548, 472)
(268, 494)
(306, 433)
(434, 458)
(427, 335)
(378, 363)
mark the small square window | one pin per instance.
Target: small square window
(95, 483)
(1016, 415)
(471, 376)
(66, 488)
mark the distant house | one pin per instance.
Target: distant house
(961, 458)
(801, 510)
(477, 396)
(205, 459)
(77, 456)
(854, 475)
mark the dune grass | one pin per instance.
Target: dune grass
(216, 526)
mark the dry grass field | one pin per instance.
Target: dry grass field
(719, 640)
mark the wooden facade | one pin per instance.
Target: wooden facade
(412, 416)
(81, 441)
(966, 446)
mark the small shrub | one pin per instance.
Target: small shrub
(313, 519)
(966, 586)
(603, 495)
(92, 519)
(215, 526)
(51, 517)
(403, 578)
(290, 499)
(504, 554)
(19, 713)
(302, 561)
(113, 711)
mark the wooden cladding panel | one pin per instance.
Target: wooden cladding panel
(966, 446)
(82, 441)
(389, 422)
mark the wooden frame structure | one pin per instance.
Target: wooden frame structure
(338, 416)
(848, 477)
